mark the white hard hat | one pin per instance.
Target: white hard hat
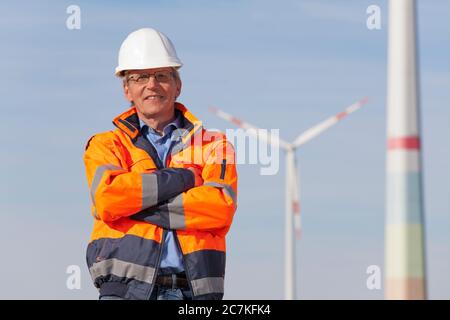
(146, 49)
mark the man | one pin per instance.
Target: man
(163, 188)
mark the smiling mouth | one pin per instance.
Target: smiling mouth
(154, 97)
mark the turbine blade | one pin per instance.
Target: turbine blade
(296, 200)
(261, 134)
(324, 125)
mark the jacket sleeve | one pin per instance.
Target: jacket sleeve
(117, 192)
(209, 207)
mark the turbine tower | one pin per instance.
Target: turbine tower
(292, 203)
(404, 231)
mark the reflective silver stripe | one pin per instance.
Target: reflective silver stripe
(177, 220)
(149, 190)
(180, 145)
(122, 269)
(226, 187)
(96, 181)
(207, 285)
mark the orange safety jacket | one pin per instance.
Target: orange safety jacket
(136, 199)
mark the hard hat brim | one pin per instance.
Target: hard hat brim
(120, 69)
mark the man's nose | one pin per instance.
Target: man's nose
(152, 82)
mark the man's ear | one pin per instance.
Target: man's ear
(179, 85)
(126, 91)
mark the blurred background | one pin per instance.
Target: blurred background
(283, 65)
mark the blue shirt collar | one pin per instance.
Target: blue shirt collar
(171, 126)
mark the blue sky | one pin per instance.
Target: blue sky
(283, 65)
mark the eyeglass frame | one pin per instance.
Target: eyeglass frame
(149, 74)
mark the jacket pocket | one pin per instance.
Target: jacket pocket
(143, 165)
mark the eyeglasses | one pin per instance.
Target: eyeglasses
(143, 78)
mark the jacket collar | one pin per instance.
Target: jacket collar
(128, 122)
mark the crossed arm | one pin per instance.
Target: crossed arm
(167, 197)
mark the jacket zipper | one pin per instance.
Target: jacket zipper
(158, 262)
(159, 165)
(186, 270)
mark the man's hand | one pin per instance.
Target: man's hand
(198, 176)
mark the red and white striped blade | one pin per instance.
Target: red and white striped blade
(326, 124)
(262, 134)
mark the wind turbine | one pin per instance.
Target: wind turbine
(292, 202)
(405, 256)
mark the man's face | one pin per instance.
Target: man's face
(154, 98)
